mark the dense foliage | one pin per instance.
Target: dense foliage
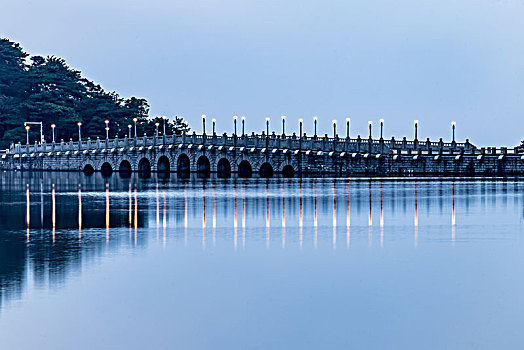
(46, 90)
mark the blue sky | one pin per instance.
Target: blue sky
(435, 61)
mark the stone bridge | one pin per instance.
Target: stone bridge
(264, 155)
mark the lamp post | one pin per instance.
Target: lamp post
(157, 124)
(235, 122)
(347, 127)
(214, 122)
(203, 124)
(129, 127)
(300, 121)
(53, 126)
(334, 128)
(27, 127)
(107, 128)
(453, 130)
(267, 127)
(79, 131)
(135, 120)
(416, 129)
(165, 122)
(315, 123)
(381, 128)
(370, 124)
(243, 124)
(283, 125)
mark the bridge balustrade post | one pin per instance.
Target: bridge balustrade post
(88, 143)
(404, 143)
(126, 142)
(359, 140)
(98, 142)
(441, 145)
(393, 143)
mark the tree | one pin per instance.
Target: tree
(46, 89)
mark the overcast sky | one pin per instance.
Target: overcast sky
(435, 61)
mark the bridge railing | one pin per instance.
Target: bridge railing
(292, 142)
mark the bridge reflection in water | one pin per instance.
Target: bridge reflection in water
(53, 222)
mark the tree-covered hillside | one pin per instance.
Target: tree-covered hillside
(35, 88)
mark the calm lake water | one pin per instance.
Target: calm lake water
(88, 262)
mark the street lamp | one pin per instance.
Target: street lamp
(135, 120)
(370, 123)
(214, 122)
(334, 128)
(267, 127)
(53, 126)
(107, 128)
(203, 124)
(243, 124)
(27, 127)
(165, 121)
(315, 123)
(283, 125)
(416, 129)
(300, 121)
(157, 124)
(453, 130)
(381, 128)
(79, 131)
(347, 127)
(235, 122)
(129, 127)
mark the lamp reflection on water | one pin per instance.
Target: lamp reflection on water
(107, 213)
(267, 215)
(243, 217)
(381, 214)
(315, 220)
(283, 217)
(28, 212)
(370, 219)
(301, 217)
(416, 216)
(53, 211)
(80, 212)
(453, 212)
(334, 215)
(348, 218)
(298, 205)
(235, 223)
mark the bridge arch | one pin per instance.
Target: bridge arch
(223, 168)
(288, 171)
(266, 170)
(245, 169)
(144, 167)
(106, 169)
(203, 167)
(183, 166)
(162, 165)
(88, 169)
(125, 168)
